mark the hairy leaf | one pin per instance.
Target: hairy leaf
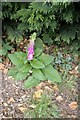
(52, 74)
(38, 74)
(15, 60)
(21, 75)
(21, 56)
(17, 74)
(12, 72)
(31, 82)
(38, 47)
(25, 68)
(37, 64)
(45, 58)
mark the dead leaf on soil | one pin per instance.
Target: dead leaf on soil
(19, 105)
(76, 68)
(49, 82)
(23, 97)
(40, 86)
(73, 116)
(73, 105)
(5, 71)
(1, 66)
(55, 88)
(48, 88)
(37, 94)
(22, 109)
(10, 77)
(74, 71)
(11, 100)
(32, 106)
(59, 98)
(5, 104)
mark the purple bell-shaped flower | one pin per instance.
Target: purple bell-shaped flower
(31, 50)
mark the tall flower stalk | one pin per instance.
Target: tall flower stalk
(31, 47)
(31, 50)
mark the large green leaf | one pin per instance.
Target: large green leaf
(17, 74)
(12, 72)
(38, 74)
(21, 75)
(45, 58)
(52, 74)
(6, 46)
(15, 60)
(30, 82)
(21, 55)
(3, 51)
(38, 47)
(37, 64)
(25, 68)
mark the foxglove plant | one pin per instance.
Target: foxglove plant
(39, 63)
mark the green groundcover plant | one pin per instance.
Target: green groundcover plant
(44, 108)
(34, 65)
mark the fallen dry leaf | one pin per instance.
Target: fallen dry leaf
(32, 106)
(55, 88)
(40, 91)
(48, 88)
(23, 97)
(5, 104)
(49, 82)
(22, 109)
(37, 94)
(76, 68)
(74, 71)
(10, 77)
(40, 86)
(19, 105)
(11, 100)
(13, 50)
(59, 98)
(5, 71)
(1, 66)
(73, 105)
(4, 116)
(73, 116)
(16, 92)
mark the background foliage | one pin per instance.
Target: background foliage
(54, 22)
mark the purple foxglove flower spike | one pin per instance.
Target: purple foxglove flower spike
(31, 50)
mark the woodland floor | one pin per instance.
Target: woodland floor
(14, 99)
